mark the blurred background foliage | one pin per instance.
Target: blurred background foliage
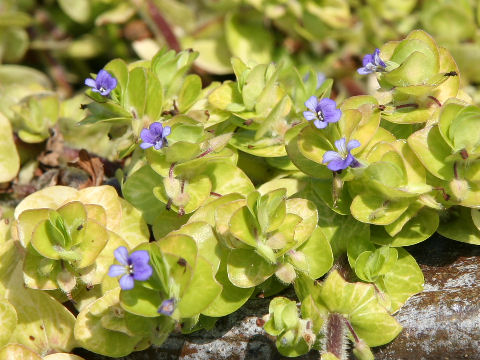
(71, 39)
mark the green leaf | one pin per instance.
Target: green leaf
(374, 209)
(138, 190)
(16, 351)
(312, 144)
(118, 69)
(359, 303)
(180, 245)
(141, 301)
(308, 213)
(403, 280)
(207, 243)
(77, 10)
(154, 98)
(318, 254)
(9, 159)
(271, 210)
(201, 291)
(417, 229)
(34, 308)
(91, 335)
(136, 94)
(432, 151)
(247, 38)
(460, 226)
(189, 92)
(225, 95)
(230, 299)
(245, 227)
(8, 321)
(369, 265)
(247, 269)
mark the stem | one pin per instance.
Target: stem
(206, 152)
(444, 193)
(215, 194)
(170, 172)
(406, 106)
(163, 26)
(352, 331)
(435, 100)
(335, 335)
(455, 170)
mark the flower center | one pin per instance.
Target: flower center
(320, 115)
(102, 89)
(130, 269)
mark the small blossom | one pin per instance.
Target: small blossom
(134, 267)
(103, 84)
(372, 63)
(155, 135)
(322, 112)
(167, 307)
(342, 159)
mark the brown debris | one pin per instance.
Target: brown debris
(93, 166)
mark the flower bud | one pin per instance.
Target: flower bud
(362, 351)
(459, 188)
(286, 273)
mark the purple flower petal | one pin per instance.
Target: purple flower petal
(340, 144)
(121, 254)
(167, 307)
(105, 92)
(158, 144)
(166, 131)
(327, 104)
(368, 59)
(102, 76)
(146, 145)
(116, 270)
(139, 257)
(312, 103)
(337, 165)
(156, 129)
(377, 60)
(142, 272)
(352, 144)
(328, 107)
(364, 71)
(90, 82)
(127, 282)
(147, 136)
(331, 156)
(320, 124)
(308, 115)
(349, 160)
(111, 82)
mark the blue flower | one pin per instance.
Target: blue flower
(155, 135)
(167, 307)
(103, 84)
(372, 63)
(322, 112)
(134, 267)
(342, 159)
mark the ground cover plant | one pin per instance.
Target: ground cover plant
(236, 160)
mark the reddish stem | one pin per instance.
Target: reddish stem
(163, 26)
(435, 100)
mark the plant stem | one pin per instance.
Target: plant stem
(336, 335)
(163, 26)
